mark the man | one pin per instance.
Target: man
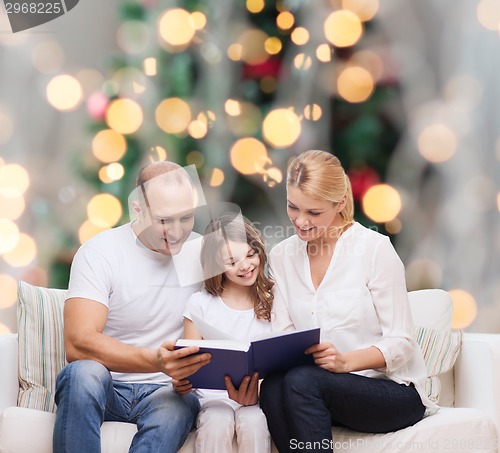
(124, 301)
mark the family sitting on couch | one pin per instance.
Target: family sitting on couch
(125, 308)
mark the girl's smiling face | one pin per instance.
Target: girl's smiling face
(240, 262)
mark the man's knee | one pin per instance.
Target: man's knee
(86, 376)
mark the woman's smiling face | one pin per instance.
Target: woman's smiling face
(312, 218)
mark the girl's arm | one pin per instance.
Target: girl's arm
(190, 330)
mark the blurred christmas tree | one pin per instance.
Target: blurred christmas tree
(237, 88)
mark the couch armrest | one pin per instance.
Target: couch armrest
(9, 383)
(477, 374)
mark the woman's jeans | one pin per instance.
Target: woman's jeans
(86, 396)
(303, 404)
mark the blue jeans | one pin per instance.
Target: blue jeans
(86, 396)
(303, 404)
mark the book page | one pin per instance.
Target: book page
(209, 332)
(229, 345)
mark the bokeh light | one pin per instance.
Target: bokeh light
(195, 158)
(381, 203)
(150, 66)
(198, 20)
(235, 50)
(176, 28)
(217, 177)
(88, 230)
(173, 115)
(300, 36)
(64, 93)
(4, 329)
(124, 116)
(281, 128)
(285, 20)
(437, 143)
(355, 84)
(197, 129)
(232, 107)
(364, 9)
(255, 6)
(8, 290)
(273, 176)
(302, 61)
(313, 112)
(394, 226)
(115, 171)
(11, 208)
(23, 253)
(109, 146)
(343, 28)
(464, 308)
(488, 14)
(104, 210)
(9, 235)
(253, 46)
(14, 180)
(273, 45)
(158, 153)
(246, 153)
(324, 53)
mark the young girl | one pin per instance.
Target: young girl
(237, 300)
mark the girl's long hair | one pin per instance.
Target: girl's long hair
(229, 228)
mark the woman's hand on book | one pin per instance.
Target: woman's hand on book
(182, 387)
(248, 391)
(328, 357)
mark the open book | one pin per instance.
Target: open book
(266, 354)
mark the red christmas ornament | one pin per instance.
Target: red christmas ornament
(362, 178)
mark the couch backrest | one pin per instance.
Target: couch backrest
(431, 308)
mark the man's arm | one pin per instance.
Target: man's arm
(84, 321)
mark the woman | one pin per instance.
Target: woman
(348, 280)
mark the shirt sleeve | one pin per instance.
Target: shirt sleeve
(280, 316)
(91, 276)
(387, 286)
(194, 306)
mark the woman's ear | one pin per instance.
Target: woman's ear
(342, 203)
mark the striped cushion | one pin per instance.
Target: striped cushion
(41, 345)
(440, 349)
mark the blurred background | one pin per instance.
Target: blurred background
(405, 93)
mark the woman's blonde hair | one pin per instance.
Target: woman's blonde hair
(319, 174)
(228, 228)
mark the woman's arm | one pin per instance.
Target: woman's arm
(328, 357)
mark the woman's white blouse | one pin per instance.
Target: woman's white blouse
(362, 301)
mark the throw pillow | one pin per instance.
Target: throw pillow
(41, 345)
(440, 349)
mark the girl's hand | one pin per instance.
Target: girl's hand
(182, 387)
(327, 356)
(248, 392)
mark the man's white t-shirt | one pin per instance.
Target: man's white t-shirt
(139, 287)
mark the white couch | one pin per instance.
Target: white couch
(472, 387)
